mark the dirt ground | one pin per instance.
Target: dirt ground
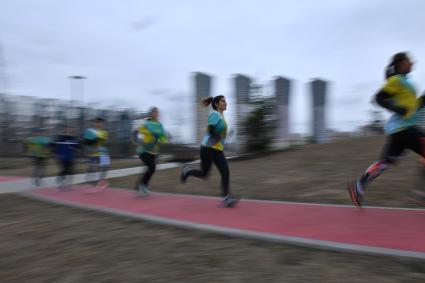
(42, 242)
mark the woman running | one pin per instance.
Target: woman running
(66, 148)
(39, 147)
(95, 139)
(398, 96)
(212, 149)
(153, 133)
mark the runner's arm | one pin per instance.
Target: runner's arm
(422, 101)
(384, 100)
(134, 137)
(211, 130)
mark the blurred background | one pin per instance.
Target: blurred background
(314, 66)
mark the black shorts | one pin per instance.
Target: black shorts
(410, 138)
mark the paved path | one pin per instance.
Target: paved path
(10, 184)
(389, 231)
(10, 179)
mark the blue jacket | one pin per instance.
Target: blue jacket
(66, 147)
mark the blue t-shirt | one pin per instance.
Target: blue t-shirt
(215, 141)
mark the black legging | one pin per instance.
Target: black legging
(39, 167)
(67, 166)
(149, 160)
(208, 156)
(410, 138)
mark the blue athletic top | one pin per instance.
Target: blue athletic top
(215, 141)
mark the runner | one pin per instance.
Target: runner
(66, 147)
(212, 149)
(398, 96)
(39, 147)
(95, 139)
(152, 133)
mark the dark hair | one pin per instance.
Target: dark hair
(213, 101)
(152, 109)
(99, 119)
(37, 130)
(392, 68)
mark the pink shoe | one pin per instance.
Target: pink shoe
(92, 190)
(101, 185)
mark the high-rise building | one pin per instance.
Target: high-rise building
(319, 90)
(202, 91)
(243, 87)
(282, 89)
(3, 123)
(3, 76)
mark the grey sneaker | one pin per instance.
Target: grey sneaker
(229, 201)
(142, 190)
(183, 175)
(37, 181)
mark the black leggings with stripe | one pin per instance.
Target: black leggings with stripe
(410, 138)
(209, 156)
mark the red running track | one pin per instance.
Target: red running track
(398, 232)
(10, 178)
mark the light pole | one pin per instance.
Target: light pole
(77, 82)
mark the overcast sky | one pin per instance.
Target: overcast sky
(141, 53)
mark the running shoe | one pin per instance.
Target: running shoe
(37, 181)
(229, 201)
(356, 196)
(418, 196)
(102, 184)
(183, 175)
(143, 190)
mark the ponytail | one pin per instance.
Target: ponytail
(390, 71)
(213, 101)
(207, 101)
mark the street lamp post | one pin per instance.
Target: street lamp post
(76, 81)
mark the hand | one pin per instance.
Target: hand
(421, 100)
(400, 110)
